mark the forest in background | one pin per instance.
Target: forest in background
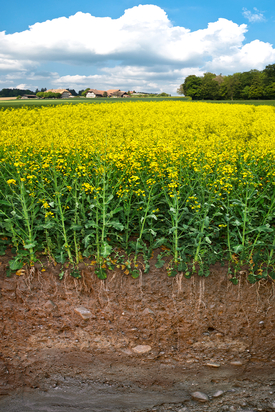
(251, 85)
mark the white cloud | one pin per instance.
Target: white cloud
(21, 86)
(253, 17)
(140, 49)
(130, 77)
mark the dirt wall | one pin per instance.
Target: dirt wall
(188, 322)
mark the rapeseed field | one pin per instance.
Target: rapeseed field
(112, 183)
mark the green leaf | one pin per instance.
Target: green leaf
(235, 281)
(75, 274)
(147, 267)
(188, 275)
(238, 248)
(152, 232)
(135, 274)
(50, 224)
(61, 258)
(101, 273)
(76, 227)
(159, 242)
(30, 245)
(109, 199)
(4, 202)
(105, 249)
(15, 264)
(117, 225)
(159, 264)
(61, 274)
(86, 239)
(206, 221)
(182, 266)
(172, 273)
(264, 228)
(86, 253)
(208, 240)
(251, 278)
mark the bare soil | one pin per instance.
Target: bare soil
(205, 335)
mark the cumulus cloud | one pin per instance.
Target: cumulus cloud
(130, 78)
(142, 47)
(254, 16)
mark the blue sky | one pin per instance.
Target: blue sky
(148, 46)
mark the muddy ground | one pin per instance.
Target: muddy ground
(135, 345)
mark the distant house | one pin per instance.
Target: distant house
(92, 93)
(117, 93)
(29, 96)
(65, 94)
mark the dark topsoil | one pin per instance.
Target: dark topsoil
(205, 335)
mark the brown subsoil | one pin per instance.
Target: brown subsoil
(205, 335)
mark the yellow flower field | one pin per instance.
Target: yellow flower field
(193, 178)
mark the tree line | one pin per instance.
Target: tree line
(41, 92)
(251, 85)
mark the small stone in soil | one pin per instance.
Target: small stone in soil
(236, 363)
(83, 312)
(218, 394)
(148, 311)
(200, 396)
(142, 349)
(213, 364)
(50, 305)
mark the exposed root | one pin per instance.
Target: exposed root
(179, 281)
(201, 293)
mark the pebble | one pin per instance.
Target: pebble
(142, 349)
(50, 305)
(213, 365)
(236, 363)
(83, 312)
(200, 396)
(218, 394)
(148, 311)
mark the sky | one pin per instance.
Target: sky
(131, 45)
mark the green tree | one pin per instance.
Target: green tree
(192, 87)
(209, 87)
(85, 91)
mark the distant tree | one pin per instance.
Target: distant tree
(230, 88)
(180, 89)
(85, 91)
(72, 91)
(270, 91)
(192, 87)
(49, 95)
(105, 94)
(209, 87)
(14, 92)
(269, 72)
